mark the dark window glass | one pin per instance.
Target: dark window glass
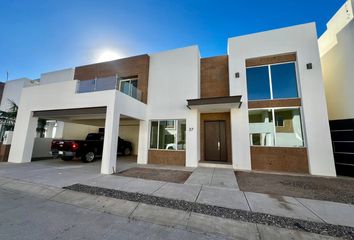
(153, 134)
(166, 137)
(284, 81)
(258, 83)
(94, 136)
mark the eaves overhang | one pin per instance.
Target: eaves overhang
(215, 103)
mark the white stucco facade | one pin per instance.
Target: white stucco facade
(302, 41)
(337, 58)
(12, 91)
(174, 77)
(32, 100)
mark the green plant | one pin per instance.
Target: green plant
(41, 127)
(8, 118)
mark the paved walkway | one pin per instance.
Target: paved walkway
(35, 211)
(213, 177)
(217, 187)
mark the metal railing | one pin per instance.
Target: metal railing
(126, 86)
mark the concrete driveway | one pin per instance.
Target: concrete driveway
(58, 173)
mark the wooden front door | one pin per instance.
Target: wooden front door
(215, 141)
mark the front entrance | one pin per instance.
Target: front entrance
(215, 141)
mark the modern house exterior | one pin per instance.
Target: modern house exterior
(260, 107)
(337, 58)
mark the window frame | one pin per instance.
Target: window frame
(303, 130)
(129, 80)
(176, 127)
(271, 83)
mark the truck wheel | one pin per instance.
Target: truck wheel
(127, 152)
(67, 158)
(88, 157)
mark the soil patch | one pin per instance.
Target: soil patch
(174, 176)
(321, 188)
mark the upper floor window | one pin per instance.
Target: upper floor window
(272, 81)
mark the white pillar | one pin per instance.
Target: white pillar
(143, 142)
(193, 138)
(110, 143)
(240, 144)
(23, 137)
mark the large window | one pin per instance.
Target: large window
(276, 127)
(168, 134)
(272, 81)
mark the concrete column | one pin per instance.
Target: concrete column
(193, 138)
(110, 143)
(23, 137)
(240, 143)
(143, 142)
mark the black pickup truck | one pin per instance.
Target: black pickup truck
(87, 149)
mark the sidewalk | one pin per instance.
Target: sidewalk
(206, 186)
(57, 204)
(219, 190)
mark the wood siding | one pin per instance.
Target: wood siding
(293, 102)
(2, 86)
(137, 66)
(271, 60)
(279, 159)
(167, 157)
(214, 78)
(214, 117)
(4, 152)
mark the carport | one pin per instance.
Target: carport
(93, 108)
(77, 123)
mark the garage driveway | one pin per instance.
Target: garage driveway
(58, 173)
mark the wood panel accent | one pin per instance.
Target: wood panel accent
(137, 66)
(2, 86)
(271, 59)
(216, 117)
(4, 152)
(167, 157)
(291, 102)
(279, 159)
(214, 77)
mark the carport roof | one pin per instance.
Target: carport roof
(69, 112)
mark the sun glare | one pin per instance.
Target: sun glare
(108, 55)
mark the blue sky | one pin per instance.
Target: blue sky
(48, 35)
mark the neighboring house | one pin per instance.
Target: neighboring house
(260, 107)
(337, 57)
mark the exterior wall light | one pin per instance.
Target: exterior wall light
(309, 66)
(237, 75)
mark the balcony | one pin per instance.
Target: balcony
(127, 85)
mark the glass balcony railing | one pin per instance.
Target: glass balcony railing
(126, 86)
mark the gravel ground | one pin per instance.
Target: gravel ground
(174, 176)
(236, 214)
(339, 189)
